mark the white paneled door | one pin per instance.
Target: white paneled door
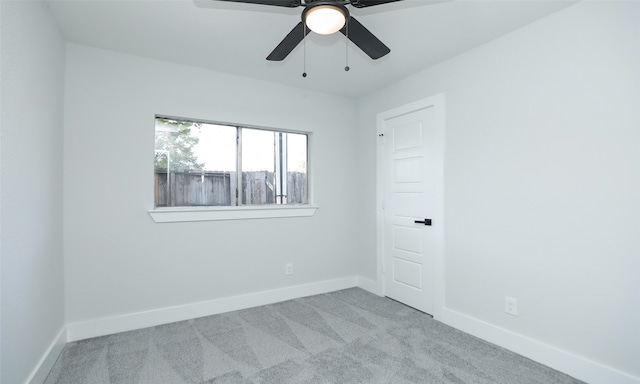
(413, 141)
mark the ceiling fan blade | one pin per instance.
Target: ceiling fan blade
(279, 3)
(369, 3)
(364, 39)
(289, 43)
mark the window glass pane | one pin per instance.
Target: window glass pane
(258, 167)
(297, 169)
(194, 164)
(202, 164)
(217, 147)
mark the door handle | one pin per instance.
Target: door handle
(425, 222)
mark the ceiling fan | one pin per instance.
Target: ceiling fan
(326, 17)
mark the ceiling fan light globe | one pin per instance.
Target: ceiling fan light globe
(325, 19)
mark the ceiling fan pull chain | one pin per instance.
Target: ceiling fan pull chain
(346, 44)
(304, 49)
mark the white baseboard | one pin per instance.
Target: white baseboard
(122, 323)
(573, 365)
(368, 285)
(40, 372)
(563, 361)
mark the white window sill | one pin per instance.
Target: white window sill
(185, 214)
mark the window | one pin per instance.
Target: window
(200, 164)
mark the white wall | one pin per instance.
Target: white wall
(32, 70)
(542, 181)
(118, 261)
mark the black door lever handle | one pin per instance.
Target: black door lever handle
(425, 222)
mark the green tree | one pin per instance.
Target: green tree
(174, 145)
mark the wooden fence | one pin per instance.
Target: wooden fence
(192, 189)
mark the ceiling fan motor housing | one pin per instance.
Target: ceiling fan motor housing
(324, 5)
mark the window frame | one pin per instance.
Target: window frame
(238, 212)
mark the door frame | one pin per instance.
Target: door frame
(438, 102)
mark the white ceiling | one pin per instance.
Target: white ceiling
(236, 37)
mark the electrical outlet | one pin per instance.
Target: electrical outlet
(511, 305)
(288, 269)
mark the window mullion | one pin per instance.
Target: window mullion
(277, 155)
(276, 170)
(283, 168)
(239, 189)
